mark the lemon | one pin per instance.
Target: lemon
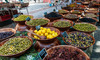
(49, 37)
(35, 31)
(41, 28)
(46, 34)
(42, 35)
(43, 31)
(35, 37)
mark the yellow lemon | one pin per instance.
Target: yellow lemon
(43, 31)
(35, 31)
(35, 37)
(41, 28)
(49, 37)
(42, 34)
(46, 34)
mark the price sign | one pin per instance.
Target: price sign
(28, 19)
(65, 34)
(15, 16)
(38, 27)
(41, 55)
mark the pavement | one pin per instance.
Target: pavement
(38, 9)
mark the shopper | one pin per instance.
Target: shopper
(35, 1)
(56, 3)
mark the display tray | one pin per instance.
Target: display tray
(32, 53)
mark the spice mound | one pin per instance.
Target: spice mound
(15, 45)
(5, 34)
(71, 16)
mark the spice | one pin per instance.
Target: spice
(76, 12)
(37, 22)
(79, 39)
(62, 24)
(14, 46)
(22, 18)
(84, 27)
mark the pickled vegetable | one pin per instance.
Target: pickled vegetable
(84, 27)
(37, 22)
(22, 18)
(79, 39)
(62, 24)
(15, 45)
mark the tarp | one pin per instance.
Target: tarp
(46, 1)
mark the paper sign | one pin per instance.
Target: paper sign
(28, 19)
(15, 16)
(65, 34)
(42, 53)
(78, 3)
(38, 27)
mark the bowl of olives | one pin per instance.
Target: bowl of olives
(63, 11)
(79, 39)
(62, 24)
(6, 33)
(85, 27)
(89, 20)
(15, 46)
(53, 16)
(65, 52)
(76, 12)
(35, 22)
(21, 19)
(72, 17)
(90, 15)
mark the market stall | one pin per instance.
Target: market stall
(62, 35)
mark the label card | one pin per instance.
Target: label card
(65, 34)
(38, 27)
(15, 16)
(28, 19)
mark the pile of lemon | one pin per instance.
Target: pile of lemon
(45, 32)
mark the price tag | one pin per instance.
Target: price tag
(41, 55)
(65, 34)
(38, 27)
(78, 3)
(15, 16)
(45, 13)
(28, 19)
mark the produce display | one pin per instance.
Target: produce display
(79, 39)
(62, 24)
(45, 32)
(22, 17)
(37, 22)
(5, 34)
(14, 46)
(76, 12)
(84, 27)
(89, 20)
(53, 15)
(65, 53)
(71, 16)
(62, 11)
(90, 15)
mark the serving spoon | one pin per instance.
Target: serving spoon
(41, 37)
